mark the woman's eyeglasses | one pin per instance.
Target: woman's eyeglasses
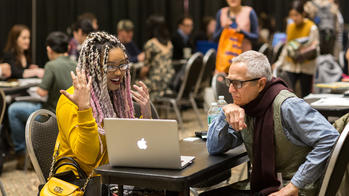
(237, 84)
(112, 67)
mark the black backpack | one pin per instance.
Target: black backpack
(326, 22)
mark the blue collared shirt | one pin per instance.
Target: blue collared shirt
(302, 125)
(184, 36)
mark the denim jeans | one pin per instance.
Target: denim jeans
(18, 113)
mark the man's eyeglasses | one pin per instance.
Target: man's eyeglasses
(238, 83)
(112, 67)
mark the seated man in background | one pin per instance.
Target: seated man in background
(287, 141)
(56, 77)
(182, 39)
(125, 35)
(81, 29)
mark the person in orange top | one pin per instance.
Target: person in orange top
(101, 89)
(241, 18)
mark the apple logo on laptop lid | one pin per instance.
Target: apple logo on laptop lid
(142, 144)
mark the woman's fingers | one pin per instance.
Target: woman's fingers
(69, 96)
(137, 95)
(143, 86)
(89, 84)
(141, 90)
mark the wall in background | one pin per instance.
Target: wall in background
(53, 15)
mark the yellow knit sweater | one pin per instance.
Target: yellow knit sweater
(78, 136)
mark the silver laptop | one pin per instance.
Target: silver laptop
(150, 143)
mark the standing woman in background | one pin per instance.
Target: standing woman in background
(242, 18)
(236, 29)
(17, 54)
(300, 28)
(158, 71)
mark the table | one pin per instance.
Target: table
(21, 85)
(203, 166)
(335, 105)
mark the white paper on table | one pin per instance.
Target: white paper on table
(338, 102)
(27, 81)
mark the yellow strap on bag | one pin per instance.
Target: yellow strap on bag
(229, 46)
(58, 187)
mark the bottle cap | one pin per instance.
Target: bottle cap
(221, 97)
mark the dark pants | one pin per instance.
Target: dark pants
(306, 82)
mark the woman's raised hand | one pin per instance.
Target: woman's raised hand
(82, 89)
(141, 96)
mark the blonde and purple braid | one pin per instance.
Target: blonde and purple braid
(93, 57)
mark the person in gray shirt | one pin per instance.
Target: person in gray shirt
(56, 77)
(283, 135)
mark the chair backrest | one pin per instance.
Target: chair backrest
(263, 48)
(336, 165)
(207, 70)
(191, 75)
(277, 51)
(2, 105)
(209, 64)
(154, 113)
(40, 135)
(220, 88)
(341, 59)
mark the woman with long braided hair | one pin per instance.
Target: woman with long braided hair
(101, 89)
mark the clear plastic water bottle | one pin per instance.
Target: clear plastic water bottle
(221, 102)
(212, 113)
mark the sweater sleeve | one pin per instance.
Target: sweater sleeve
(253, 35)
(80, 131)
(218, 30)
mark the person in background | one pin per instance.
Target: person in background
(101, 89)
(242, 18)
(182, 38)
(125, 35)
(287, 140)
(300, 28)
(90, 16)
(17, 54)
(157, 71)
(207, 29)
(56, 77)
(327, 16)
(80, 31)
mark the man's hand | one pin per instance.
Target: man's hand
(235, 116)
(289, 190)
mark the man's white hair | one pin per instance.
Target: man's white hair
(257, 64)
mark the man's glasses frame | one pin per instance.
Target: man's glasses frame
(238, 83)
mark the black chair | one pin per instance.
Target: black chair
(2, 135)
(2, 189)
(209, 66)
(40, 135)
(154, 113)
(189, 82)
(277, 51)
(220, 88)
(336, 165)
